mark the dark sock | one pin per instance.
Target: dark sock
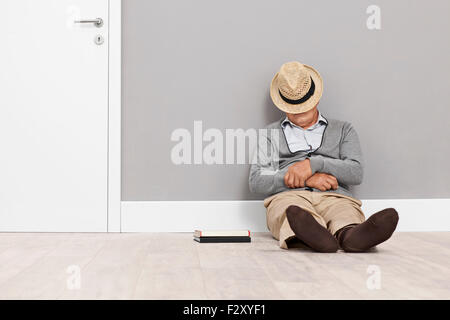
(375, 230)
(308, 230)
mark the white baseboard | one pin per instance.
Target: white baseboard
(186, 216)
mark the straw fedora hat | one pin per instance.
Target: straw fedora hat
(296, 88)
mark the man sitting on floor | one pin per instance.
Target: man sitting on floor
(306, 172)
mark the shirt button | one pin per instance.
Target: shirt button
(309, 154)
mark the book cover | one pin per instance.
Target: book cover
(222, 233)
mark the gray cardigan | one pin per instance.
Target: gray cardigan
(339, 155)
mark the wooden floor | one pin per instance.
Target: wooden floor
(173, 266)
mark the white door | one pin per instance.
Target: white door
(53, 116)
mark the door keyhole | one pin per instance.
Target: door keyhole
(99, 39)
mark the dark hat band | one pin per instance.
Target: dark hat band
(304, 98)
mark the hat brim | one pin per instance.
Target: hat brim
(302, 107)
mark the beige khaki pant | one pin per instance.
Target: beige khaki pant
(333, 211)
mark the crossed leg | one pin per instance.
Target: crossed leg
(292, 215)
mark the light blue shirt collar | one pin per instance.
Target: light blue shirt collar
(319, 119)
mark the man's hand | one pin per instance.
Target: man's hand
(322, 181)
(297, 174)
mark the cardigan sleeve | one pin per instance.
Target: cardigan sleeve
(348, 169)
(266, 177)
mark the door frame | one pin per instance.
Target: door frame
(114, 115)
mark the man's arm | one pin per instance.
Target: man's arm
(265, 176)
(348, 169)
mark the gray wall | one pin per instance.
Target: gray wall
(213, 61)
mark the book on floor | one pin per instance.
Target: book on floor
(216, 236)
(222, 239)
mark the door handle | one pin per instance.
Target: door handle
(97, 22)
